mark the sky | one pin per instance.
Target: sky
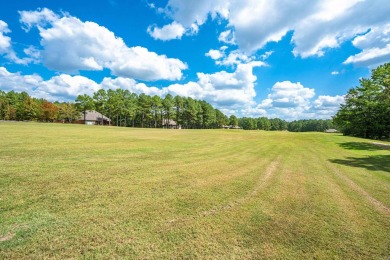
(274, 58)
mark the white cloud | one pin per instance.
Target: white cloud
(129, 84)
(17, 82)
(291, 101)
(5, 41)
(215, 54)
(235, 57)
(168, 32)
(6, 46)
(287, 94)
(335, 73)
(317, 25)
(326, 106)
(227, 37)
(375, 45)
(288, 100)
(68, 87)
(40, 18)
(188, 12)
(70, 45)
(325, 102)
(222, 89)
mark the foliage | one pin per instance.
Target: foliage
(311, 125)
(366, 112)
(128, 109)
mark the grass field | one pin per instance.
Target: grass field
(75, 191)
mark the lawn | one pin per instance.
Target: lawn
(75, 191)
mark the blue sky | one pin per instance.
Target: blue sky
(287, 59)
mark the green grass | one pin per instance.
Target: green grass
(74, 191)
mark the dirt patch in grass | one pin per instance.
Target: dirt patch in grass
(6, 237)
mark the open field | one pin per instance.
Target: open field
(73, 191)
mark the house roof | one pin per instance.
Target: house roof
(92, 115)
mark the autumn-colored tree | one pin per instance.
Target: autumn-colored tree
(49, 111)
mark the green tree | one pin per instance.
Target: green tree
(100, 98)
(168, 108)
(145, 105)
(67, 112)
(367, 107)
(233, 120)
(84, 103)
(156, 108)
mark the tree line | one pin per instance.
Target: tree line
(131, 110)
(366, 112)
(21, 107)
(276, 124)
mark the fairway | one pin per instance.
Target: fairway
(75, 191)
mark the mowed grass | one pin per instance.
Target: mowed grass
(75, 191)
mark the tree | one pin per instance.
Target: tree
(248, 123)
(233, 120)
(367, 108)
(100, 102)
(84, 103)
(156, 108)
(145, 104)
(263, 123)
(168, 107)
(67, 112)
(179, 104)
(49, 111)
(221, 119)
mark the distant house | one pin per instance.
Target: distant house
(331, 131)
(93, 117)
(231, 127)
(171, 124)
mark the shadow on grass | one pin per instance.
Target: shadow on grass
(372, 163)
(363, 146)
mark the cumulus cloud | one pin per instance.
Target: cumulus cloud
(288, 100)
(316, 25)
(168, 32)
(235, 57)
(215, 54)
(287, 94)
(70, 45)
(5, 41)
(375, 45)
(188, 12)
(40, 17)
(326, 106)
(325, 102)
(18, 82)
(293, 101)
(227, 37)
(6, 46)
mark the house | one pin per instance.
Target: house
(171, 124)
(231, 127)
(93, 117)
(331, 131)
